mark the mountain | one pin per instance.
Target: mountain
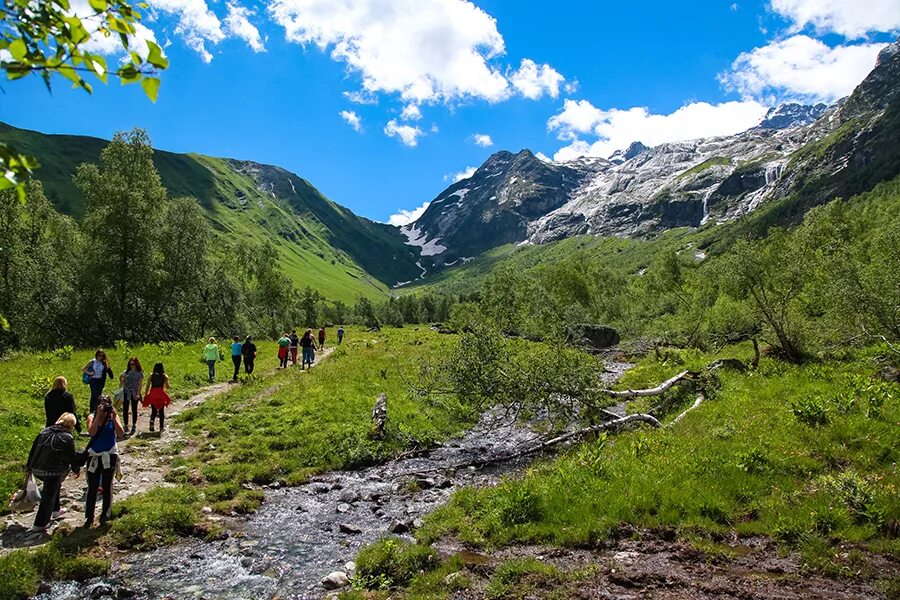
(321, 244)
(787, 116)
(804, 154)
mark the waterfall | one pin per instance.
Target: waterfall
(706, 196)
(773, 172)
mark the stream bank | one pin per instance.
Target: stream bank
(301, 534)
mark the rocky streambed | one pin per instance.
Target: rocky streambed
(302, 534)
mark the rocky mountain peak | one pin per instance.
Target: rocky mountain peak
(791, 114)
(620, 156)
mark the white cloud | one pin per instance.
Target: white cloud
(110, 45)
(361, 97)
(615, 129)
(411, 112)
(407, 134)
(237, 23)
(352, 119)
(197, 24)
(405, 217)
(533, 80)
(801, 68)
(543, 157)
(459, 176)
(421, 49)
(850, 18)
(483, 140)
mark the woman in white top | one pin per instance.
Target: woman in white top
(97, 370)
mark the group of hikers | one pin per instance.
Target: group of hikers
(53, 453)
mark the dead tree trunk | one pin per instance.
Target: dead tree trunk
(650, 391)
(379, 416)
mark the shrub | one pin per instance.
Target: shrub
(64, 353)
(392, 561)
(167, 348)
(518, 504)
(810, 410)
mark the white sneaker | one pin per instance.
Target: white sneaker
(57, 514)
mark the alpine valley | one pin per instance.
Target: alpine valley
(799, 155)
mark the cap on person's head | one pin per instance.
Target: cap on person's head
(67, 420)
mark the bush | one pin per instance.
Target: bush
(392, 561)
(64, 353)
(811, 411)
(518, 504)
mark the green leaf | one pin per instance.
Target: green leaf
(128, 74)
(99, 5)
(156, 57)
(151, 87)
(18, 49)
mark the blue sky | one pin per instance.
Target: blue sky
(381, 103)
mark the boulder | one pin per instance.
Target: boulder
(399, 527)
(349, 529)
(595, 337)
(335, 580)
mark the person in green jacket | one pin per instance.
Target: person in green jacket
(211, 356)
(284, 343)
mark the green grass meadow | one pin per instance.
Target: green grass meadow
(26, 378)
(799, 453)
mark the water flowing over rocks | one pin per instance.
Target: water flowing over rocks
(303, 536)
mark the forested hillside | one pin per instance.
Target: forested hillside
(318, 242)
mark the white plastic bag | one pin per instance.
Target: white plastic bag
(26, 499)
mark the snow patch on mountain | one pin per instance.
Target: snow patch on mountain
(418, 238)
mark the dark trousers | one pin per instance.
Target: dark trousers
(100, 477)
(96, 391)
(49, 499)
(130, 400)
(236, 359)
(294, 350)
(248, 364)
(212, 370)
(162, 416)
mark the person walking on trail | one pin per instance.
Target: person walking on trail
(155, 396)
(52, 456)
(103, 459)
(321, 338)
(340, 333)
(211, 356)
(236, 350)
(248, 351)
(97, 370)
(131, 380)
(284, 343)
(295, 343)
(59, 401)
(308, 346)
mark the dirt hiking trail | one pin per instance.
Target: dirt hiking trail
(145, 459)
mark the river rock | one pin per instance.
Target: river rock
(596, 337)
(349, 496)
(453, 579)
(350, 568)
(426, 483)
(320, 488)
(343, 507)
(444, 483)
(399, 527)
(349, 529)
(100, 590)
(335, 580)
(206, 510)
(125, 592)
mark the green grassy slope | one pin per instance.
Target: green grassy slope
(321, 244)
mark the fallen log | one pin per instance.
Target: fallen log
(655, 391)
(697, 402)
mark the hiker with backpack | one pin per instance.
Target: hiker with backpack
(236, 351)
(284, 343)
(130, 381)
(340, 334)
(155, 396)
(308, 346)
(211, 357)
(94, 374)
(51, 458)
(295, 346)
(248, 351)
(59, 401)
(102, 459)
(321, 338)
